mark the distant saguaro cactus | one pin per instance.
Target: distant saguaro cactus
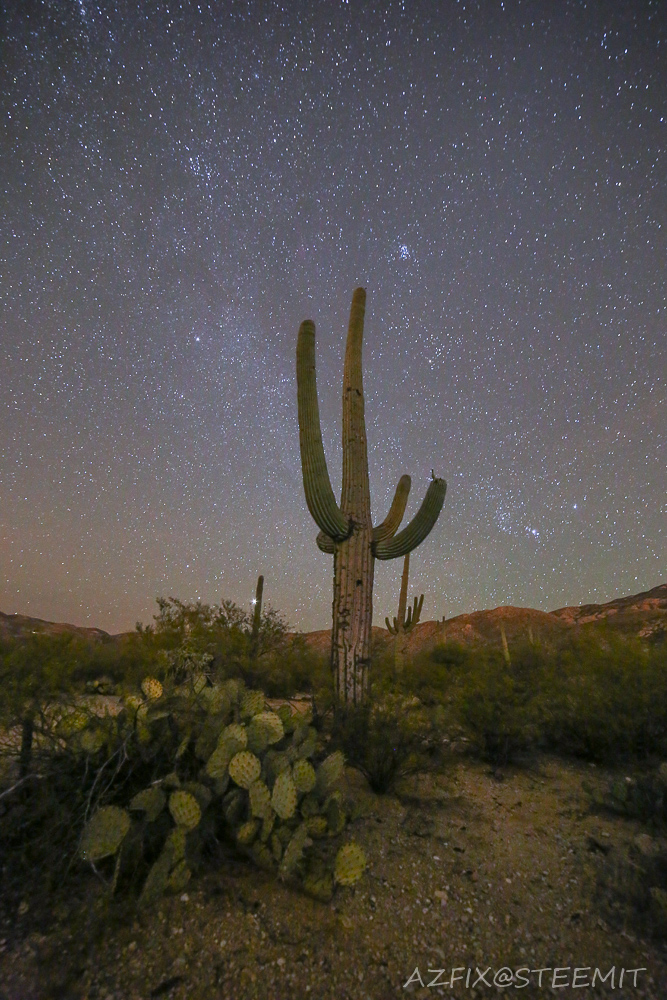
(257, 617)
(347, 530)
(404, 624)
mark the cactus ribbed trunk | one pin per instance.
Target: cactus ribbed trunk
(257, 618)
(347, 531)
(354, 562)
(401, 638)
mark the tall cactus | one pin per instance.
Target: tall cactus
(257, 617)
(347, 531)
(404, 624)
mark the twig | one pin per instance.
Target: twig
(18, 784)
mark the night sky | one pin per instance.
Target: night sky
(182, 184)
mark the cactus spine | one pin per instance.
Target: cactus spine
(347, 531)
(257, 617)
(404, 625)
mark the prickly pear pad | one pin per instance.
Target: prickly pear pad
(350, 864)
(151, 688)
(244, 768)
(104, 833)
(185, 809)
(284, 795)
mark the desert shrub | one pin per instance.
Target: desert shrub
(604, 697)
(387, 739)
(641, 795)
(494, 703)
(434, 676)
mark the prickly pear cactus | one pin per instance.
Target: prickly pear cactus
(350, 864)
(219, 754)
(151, 688)
(150, 801)
(244, 768)
(104, 833)
(284, 797)
(184, 809)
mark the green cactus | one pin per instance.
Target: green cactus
(350, 864)
(151, 688)
(404, 624)
(304, 776)
(284, 796)
(256, 619)
(278, 804)
(329, 772)
(184, 809)
(151, 801)
(347, 531)
(104, 833)
(252, 703)
(244, 768)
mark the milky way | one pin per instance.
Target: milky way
(183, 184)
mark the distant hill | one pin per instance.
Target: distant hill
(643, 615)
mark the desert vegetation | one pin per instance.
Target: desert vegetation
(187, 695)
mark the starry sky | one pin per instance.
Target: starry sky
(183, 183)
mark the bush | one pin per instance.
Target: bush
(387, 739)
(604, 698)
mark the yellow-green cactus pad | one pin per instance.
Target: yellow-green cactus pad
(276, 761)
(303, 774)
(273, 724)
(174, 845)
(72, 723)
(329, 772)
(319, 886)
(185, 809)
(202, 794)
(244, 768)
(258, 738)
(92, 740)
(317, 826)
(276, 846)
(179, 877)
(284, 797)
(252, 703)
(104, 833)
(235, 736)
(216, 700)
(247, 832)
(260, 799)
(261, 855)
(151, 801)
(350, 864)
(335, 814)
(151, 688)
(131, 703)
(294, 851)
(171, 780)
(268, 823)
(183, 745)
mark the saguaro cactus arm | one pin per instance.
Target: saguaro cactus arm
(416, 531)
(391, 522)
(316, 483)
(325, 543)
(414, 613)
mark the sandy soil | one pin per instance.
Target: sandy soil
(468, 870)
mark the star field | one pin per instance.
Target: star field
(182, 184)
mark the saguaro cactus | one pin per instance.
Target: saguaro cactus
(404, 624)
(347, 530)
(257, 617)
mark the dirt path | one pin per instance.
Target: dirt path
(466, 871)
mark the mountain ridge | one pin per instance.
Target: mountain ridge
(643, 615)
